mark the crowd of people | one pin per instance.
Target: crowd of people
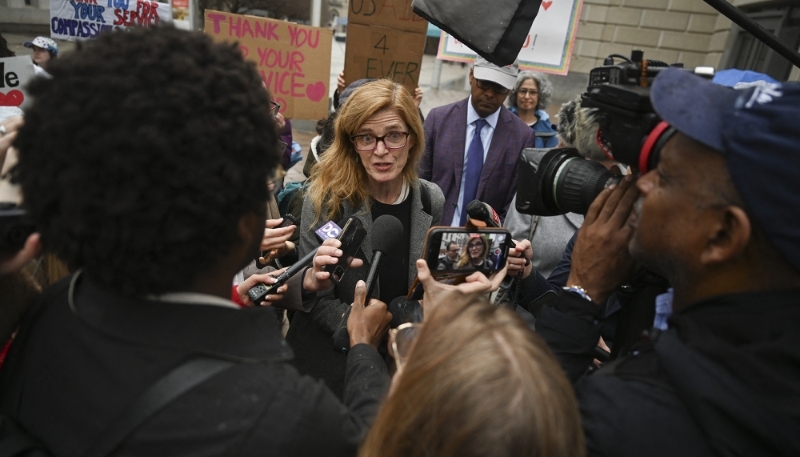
(661, 322)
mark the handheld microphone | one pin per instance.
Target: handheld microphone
(386, 233)
(260, 291)
(483, 212)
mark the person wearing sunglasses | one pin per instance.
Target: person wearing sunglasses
(472, 146)
(531, 95)
(369, 170)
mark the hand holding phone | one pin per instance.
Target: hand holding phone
(353, 234)
(458, 251)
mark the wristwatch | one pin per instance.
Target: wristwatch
(578, 290)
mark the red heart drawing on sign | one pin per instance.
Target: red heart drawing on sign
(244, 50)
(315, 91)
(546, 5)
(12, 98)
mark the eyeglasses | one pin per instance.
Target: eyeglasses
(476, 245)
(486, 85)
(392, 140)
(401, 340)
(274, 108)
(531, 92)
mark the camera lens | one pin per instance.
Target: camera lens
(559, 181)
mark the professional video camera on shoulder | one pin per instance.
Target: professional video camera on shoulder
(558, 181)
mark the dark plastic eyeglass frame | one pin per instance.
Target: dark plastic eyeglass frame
(486, 85)
(274, 108)
(379, 139)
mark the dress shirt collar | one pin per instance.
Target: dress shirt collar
(473, 116)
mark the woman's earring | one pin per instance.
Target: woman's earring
(358, 159)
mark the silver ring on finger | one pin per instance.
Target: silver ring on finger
(3, 130)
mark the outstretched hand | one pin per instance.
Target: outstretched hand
(367, 324)
(316, 278)
(254, 280)
(600, 260)
(519, 258)
(13, 262)
(473, 286)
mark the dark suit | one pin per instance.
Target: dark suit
(443, 160)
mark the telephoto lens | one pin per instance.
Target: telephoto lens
(558, 181)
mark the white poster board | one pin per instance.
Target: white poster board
(15, 72)
(548, 47)
(82, 19)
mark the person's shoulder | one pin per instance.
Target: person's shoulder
(289, 406)
(446, 110)
(435, 192)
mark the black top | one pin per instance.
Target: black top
(81, 369)
(392, 276)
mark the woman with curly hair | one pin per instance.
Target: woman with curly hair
(369, 170)
(530, 97)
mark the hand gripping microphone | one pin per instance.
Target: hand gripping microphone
(260, 291)
(387, 231)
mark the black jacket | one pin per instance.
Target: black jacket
(723, 380)
(81, 369)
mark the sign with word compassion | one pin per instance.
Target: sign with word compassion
(385, 39)
(81, 19)
(293, 60)
(15, 72)
(548, 47)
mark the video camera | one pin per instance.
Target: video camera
(559, 181)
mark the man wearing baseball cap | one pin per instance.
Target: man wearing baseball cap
(472, 146)
(719, 219)
(44, 50)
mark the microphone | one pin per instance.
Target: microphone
(386, 233)
(483, 212)
(260, 291)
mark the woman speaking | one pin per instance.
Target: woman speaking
(369, 171)
(475, 255)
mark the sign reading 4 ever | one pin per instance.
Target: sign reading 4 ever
(293, 60)
(385, 39)
(74, 19)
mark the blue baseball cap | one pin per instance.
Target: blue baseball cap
(758, 133)
(742, 79)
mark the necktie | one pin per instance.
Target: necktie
(474, 168)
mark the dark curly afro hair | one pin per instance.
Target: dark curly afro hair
(141, 154)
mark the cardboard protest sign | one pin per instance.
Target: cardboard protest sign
(15, 72)
(80, 19)
(385, 39)
(548, 47)
(294, 60)
(395, 55)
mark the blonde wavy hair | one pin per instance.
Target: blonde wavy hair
(338, 177)
(477, 382)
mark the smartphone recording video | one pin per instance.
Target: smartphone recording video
(460, 250)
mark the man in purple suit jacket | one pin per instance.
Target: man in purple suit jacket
(449, 131)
